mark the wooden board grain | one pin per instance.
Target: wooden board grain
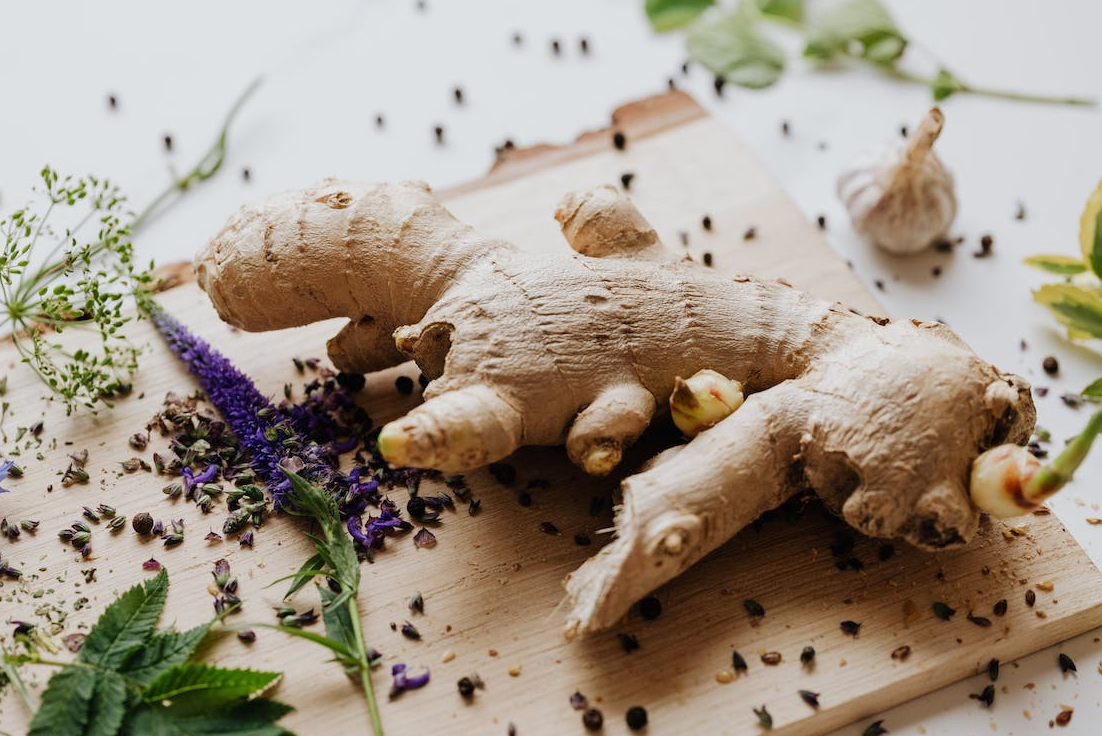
(492, 584)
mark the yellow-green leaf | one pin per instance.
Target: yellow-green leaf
(1061, 265)
(665, 15)
(791, 9)
(732, 48)
(1090, 230)
(1077, 309)
(1094, 389)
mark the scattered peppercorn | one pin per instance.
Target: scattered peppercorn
(625, 180)
(993, 670)
(850, 627)
(593, 720)
(351, 382)
(886, 552)
(684, 67)
(901, 653)
(1050, 365)
(556, 46)
(943, 611)
(1000, 607)
(548, 528)
(753, 607)
(636, 717)
(404, 385)
(168, 142)
(583, 44)
(750, 234)
(807, 656)
(458, 93)
(718, 84)
(1066, 663)
(650, 608)
(619, 141)
(785, 129)
(706, 222)
(879, 283)
(1030, 597)
(582, 540)
(936, 271)
(707, 258)
(112, 102)
(465, 686)
(142, 523)
(810, 698)
(771, 658)
(518, 39)
(821, 220)
(738, 662)
(1019, 214)
(416, 507)
(246, 174)
(439, 132)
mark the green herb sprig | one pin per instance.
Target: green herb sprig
(87, 278)
(131, 678)
(335, 561)
(732, 45)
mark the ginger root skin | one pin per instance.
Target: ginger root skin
(882, 419)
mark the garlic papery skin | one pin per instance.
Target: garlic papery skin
(703, 401)
(902, 198)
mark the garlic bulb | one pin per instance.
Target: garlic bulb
(902, 197)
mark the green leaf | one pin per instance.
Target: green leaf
(199, 687)
(313, 563)
(108, 705)
(665, 15)
(1061, 265)
(337, 618)
(732, 48)
(945, 84)
(166, 649)
(1094, 389)
(1077, 309)
(1090, 231)
(335, 646)
(791, 9)
(336, 549)
(126, 624)
(858, 27)
(65, 703)
(254, 718)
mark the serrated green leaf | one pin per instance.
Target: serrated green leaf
(254, 718)
(65, 703)
(165, 649)
(1090, 231)
(665, 15)
(1061, 265)
(336, 549)
(337, 618)
(1077, 309)
(859, 27)
(108, 705)
(731, 47)
(1094, 389)
(195, 686)
(944, 85)
(791, 9)
(126, 624)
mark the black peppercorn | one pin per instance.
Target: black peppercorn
(637, 717)
(650, 608)
(142, 523)
(1051, 365)
(707, 259)
(593, 720)
(619, 141)
(706, 222)
(416, 507)
(351, 382)
(466, 687)
(404, 384)
(625, 180)
(439, 131)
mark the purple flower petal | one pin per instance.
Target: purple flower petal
(403, 682)
(5, 468)
(246, 539)
(424, 538)
(151, 565)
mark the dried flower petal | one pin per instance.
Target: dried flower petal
(424, 538)
(151, 564)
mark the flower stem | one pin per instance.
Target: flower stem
(1026, 97)
(1058, 473)
(365, 667)
(12, 673)
(207, 167)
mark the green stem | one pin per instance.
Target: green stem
(1058, 473)
(1027, 97)
(365, 667)
(16, 681)
(207, 167)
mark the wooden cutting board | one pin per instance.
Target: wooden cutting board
(492, 584)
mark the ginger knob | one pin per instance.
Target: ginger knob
(703, 401)
(902, 197)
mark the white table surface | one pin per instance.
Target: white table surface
(330, 67)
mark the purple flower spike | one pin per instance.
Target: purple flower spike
(5, 468)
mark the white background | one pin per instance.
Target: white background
(330, 67)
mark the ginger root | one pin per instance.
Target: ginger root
(882, 419)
